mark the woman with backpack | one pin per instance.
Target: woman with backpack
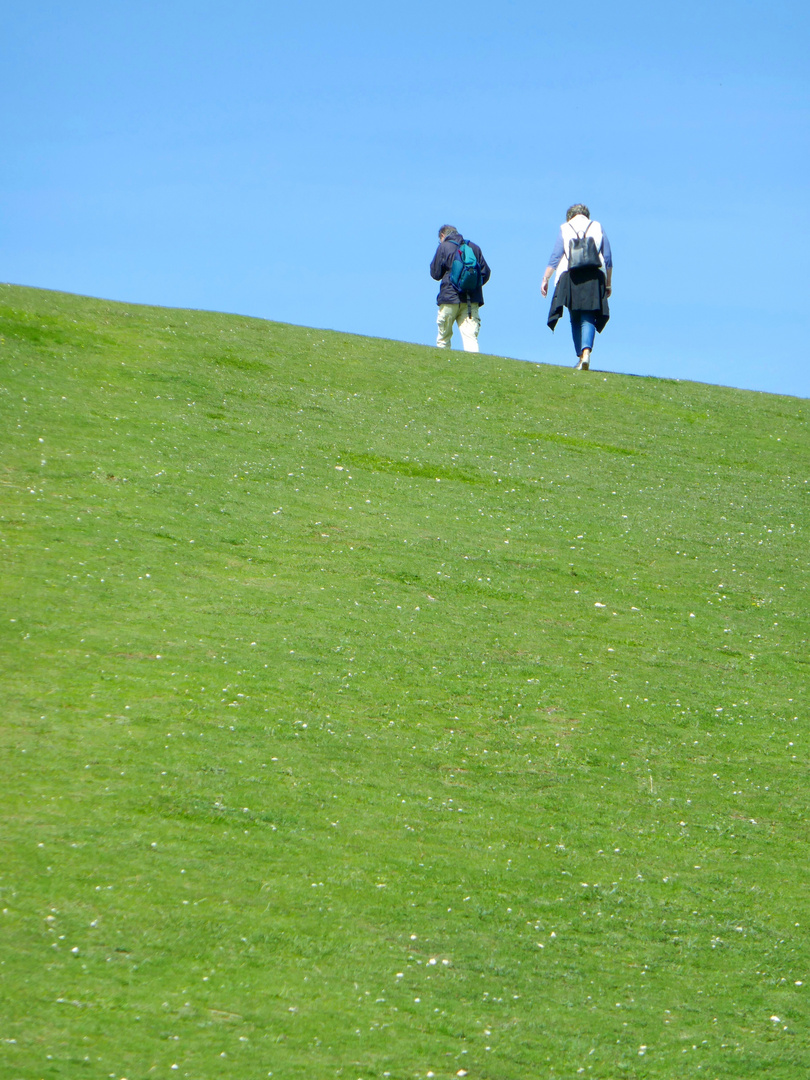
(582, 259)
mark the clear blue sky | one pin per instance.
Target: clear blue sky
(294, 161)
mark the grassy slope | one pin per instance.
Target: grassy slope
(326, 658)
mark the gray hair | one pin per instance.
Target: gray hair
(445, 229)
(577, 208)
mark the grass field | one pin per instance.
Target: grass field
(371, 711)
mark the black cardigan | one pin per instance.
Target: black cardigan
(580, 290)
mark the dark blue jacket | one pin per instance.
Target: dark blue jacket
(440, 271)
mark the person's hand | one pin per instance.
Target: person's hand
(608, 290)
(544, 287)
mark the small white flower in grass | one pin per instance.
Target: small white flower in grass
(461, 1072)
(776, 1020)
(597, 604)
(642, 1050)
(400, 974)
(432, 960)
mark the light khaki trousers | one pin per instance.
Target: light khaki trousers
(468, 325)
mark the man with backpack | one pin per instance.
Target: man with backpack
(462, 270)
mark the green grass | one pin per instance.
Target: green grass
(375, 711)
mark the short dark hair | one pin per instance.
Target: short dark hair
(445, 229)
(577, 208)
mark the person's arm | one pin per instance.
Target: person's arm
(437, 267)
(553, 263)
(545, 281)
(608, 257)
(485, 270)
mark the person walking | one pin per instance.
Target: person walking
(584, 264)
(458, 306)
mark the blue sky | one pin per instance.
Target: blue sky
(294, 161)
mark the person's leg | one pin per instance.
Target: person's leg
(444, 321)
(587, 335)
(587, 329)
(576, 331)
(583, 329)
(469, 325)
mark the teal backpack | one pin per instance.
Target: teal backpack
(465, 272)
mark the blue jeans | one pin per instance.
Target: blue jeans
(583, 329)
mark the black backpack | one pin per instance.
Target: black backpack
(582, 252)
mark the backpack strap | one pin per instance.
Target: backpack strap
(458, 244)
(469, 302)
(570, 240)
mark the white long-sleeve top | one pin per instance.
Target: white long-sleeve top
(571, 229)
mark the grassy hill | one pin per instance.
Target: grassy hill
(373, 711)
